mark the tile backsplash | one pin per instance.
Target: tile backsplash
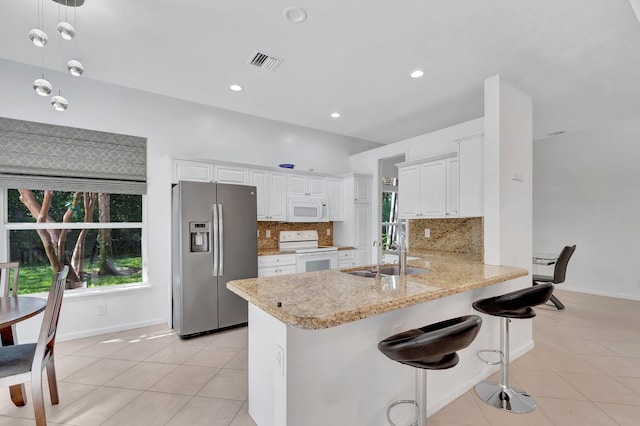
(454, 235)
(271, 242)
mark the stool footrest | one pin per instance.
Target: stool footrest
(403, 401)
(486, 361)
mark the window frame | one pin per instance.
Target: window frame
(6, 227)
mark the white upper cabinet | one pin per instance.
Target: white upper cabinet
(194, 171)
(471, 176)
(432, 189)
(361, 190)
(336, 199)
(409, 190)
(230, 174)
(305, 185)
(429, 189)
(271, 194)
(452, 187)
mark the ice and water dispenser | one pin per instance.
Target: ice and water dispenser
(199, 236)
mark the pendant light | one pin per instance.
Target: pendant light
(37, 36)
(66, 30)
(75, 67)
(42, 86)
(59, 102)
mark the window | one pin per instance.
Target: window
(97, 234)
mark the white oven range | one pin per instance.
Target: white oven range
(309, 255)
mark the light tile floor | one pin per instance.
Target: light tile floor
(584, 370)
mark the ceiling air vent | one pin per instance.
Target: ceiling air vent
(265, 61)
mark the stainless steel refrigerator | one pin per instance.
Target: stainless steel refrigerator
(214, 241)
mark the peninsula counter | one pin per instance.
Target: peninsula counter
(313, 357)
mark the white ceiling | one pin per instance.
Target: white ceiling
(579, 59)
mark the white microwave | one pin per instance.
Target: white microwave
(307, 209)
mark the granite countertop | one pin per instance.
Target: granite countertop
(324, 299)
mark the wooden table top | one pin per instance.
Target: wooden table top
(16, 309)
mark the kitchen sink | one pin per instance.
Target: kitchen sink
(395, 270)
(386, 271)
(366, 274)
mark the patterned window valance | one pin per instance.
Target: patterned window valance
(45, 156)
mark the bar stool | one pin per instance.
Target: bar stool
(516, 304)
(432, 347)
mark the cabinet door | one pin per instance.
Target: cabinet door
(362, 237)
(409, 192)
(230, 174)
(336, 199)
(297, 185)
(432, 189)
(361, 190)
(452, 187)
(277, 202)
(193, 171)
(472, 177)
(316, 186)
(259, 179)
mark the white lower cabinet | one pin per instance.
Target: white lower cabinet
(346, 259)
(278, 264)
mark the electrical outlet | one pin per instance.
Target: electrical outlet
(328, 231)
(102, 310)
(258, 234)
(427, 233)
(268, 233)
(280, 360)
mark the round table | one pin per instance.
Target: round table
(13, 310)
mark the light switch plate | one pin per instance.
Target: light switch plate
(329, 231)
(427, 233)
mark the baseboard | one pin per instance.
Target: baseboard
(61, 337)
(616, 295)
(436, 405)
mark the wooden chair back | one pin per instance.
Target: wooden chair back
(9, 272)
(50, 321)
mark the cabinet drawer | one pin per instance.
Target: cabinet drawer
(346, 263)
(345, 255)
(272, 271)
(278, 259)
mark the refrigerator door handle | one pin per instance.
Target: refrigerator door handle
(221, 231)
(214, 237)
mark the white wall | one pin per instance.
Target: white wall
(174, 128)
(587, 192)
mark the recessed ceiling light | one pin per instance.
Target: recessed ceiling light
(235, 87)
(335, 115)
(417, 74)
(295, 14)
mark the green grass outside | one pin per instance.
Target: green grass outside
(37, 279)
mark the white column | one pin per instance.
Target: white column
(508, 174)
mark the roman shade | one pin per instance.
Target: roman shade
(45, 156)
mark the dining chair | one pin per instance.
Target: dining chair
(559, 273)
(9, 272)
(21, 363)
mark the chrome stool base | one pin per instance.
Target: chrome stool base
(505, 398)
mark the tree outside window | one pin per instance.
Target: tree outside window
(98, 235)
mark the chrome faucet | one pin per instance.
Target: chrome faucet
(377, 257)
(402, 248)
